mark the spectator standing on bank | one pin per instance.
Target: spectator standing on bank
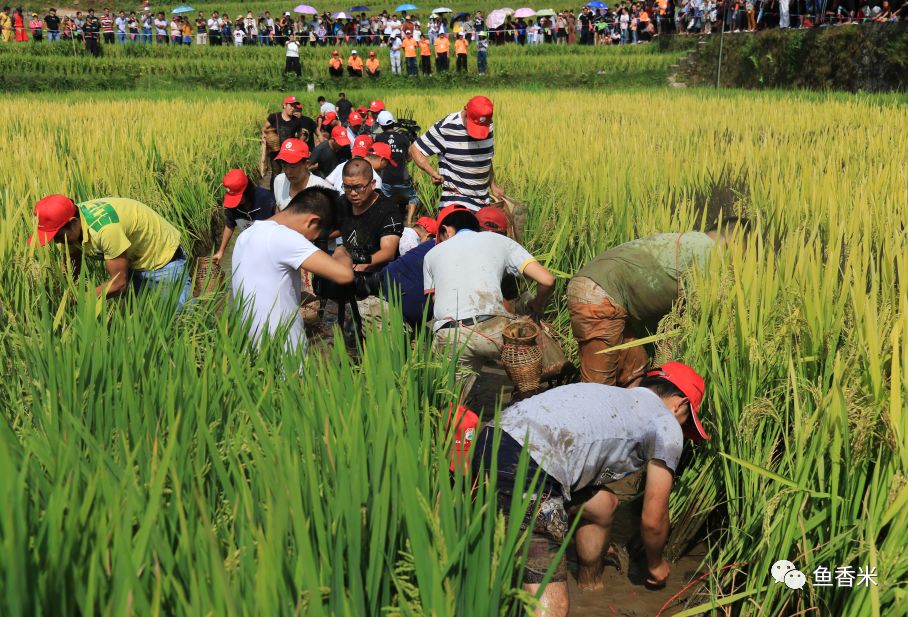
(20, 27)
(442, 47)
(6, 25)
(482, 53)
(107, 27)
(292, 60)
(425, 56)
(37, 28)
(396, 44)
(53, 25)
(460, 50)
(120, 26)
(92, 32)
(410, 45)
(201, 29)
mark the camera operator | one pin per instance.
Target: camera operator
(370, 227)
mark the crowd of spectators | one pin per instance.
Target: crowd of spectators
(625, 22)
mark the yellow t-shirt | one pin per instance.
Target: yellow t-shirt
(112, 226)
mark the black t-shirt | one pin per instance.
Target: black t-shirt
(585, 20)
(400, 143)
(364, 232)
(326, 159)
(53, 22)
(262, 208)
(344, 107)
(201, 25)
(290, 128)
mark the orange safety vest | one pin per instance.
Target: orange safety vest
(410, 48)
(335, 63)
(663, 7)
(355, 62)
(424, 48)
(442, 45)
(460, 47)
(372, 64)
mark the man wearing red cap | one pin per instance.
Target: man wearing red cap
(135, 242)
(243, 201)
(329, 153)
(424, 228)
(287, 123)
(295, 177)
(464, 272)
(634, 283)
(465, 146)
(373, 66)
(580, 438)
(375, 108)
(493, 218)
(335, 65)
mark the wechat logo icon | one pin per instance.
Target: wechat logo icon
(783, 571)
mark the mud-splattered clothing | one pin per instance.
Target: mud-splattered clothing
(585, 435)
(642, 276)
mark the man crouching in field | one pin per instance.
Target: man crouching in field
(581, 437)
(136, 243)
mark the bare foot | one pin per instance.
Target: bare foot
(589, 580)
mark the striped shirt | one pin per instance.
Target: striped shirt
(464, 163)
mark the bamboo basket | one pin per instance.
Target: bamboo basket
(521, 356)
(208, 276)
(272, 141)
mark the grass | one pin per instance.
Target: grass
(159, 467)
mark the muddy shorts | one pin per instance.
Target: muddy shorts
(549, 526)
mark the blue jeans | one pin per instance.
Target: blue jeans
(146, 35)
(53, 35)
(121, 37)
(411, 67)
(481, 58)
(171, 277)
(405, 190)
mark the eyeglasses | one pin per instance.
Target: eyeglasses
(355, 188)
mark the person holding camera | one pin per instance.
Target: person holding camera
(370, 228)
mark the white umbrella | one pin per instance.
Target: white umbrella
(545, 13)
(442, 9)
(495, 19)
(341, 15)
(507, 11)
(524, 12)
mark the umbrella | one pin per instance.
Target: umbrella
(359, 9)
(442, 9)
(507, 11)
(495, 19)
(406, 7)
(182, 9)
(305, 9)
(459, 16)
(596, 5)
(545, 13)
(341, 15)
(524, 12)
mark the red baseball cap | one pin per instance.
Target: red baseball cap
(692, 385)
(492, 218)
(376, 106)
(335, 53)
(383, 150)
(361, 146)
(362, 110)
(479, 117)
(235, 181)
(293, 151)
(339, 134)
(355, 119)
(329, 117)
(428, 224)
(371, 54)
(448, 210)
(53, 212)
(291, 100)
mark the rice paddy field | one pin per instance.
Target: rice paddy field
(155, 466)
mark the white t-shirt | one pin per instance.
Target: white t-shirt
(293, 49)
(282, 188)
(336, 180)
(408, 239)
(238, 36)
(266, 262)
(465, 273)
(213, 24)
(326, 107)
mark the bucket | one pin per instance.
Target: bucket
(208, 276)
(521, 356)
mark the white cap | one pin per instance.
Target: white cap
(384, 118)
(353, 52)
(287, 13)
